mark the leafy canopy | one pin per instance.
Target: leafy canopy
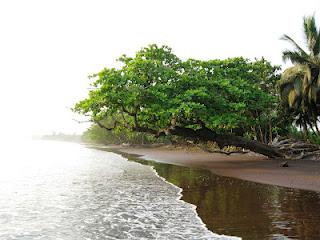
(155, 90)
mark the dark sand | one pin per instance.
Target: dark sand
(301, 174)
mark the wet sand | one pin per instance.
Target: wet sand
(301, 174)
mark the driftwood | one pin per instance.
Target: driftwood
(290, 149)
(297, 149)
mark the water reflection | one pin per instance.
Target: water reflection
(241, 208)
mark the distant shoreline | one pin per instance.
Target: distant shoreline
(301, 174)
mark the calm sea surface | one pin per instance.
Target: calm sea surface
(240, 208)
(55, 190)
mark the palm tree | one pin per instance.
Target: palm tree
(300, 85)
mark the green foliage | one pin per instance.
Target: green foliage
(300, 85)
(155, 90)
(120, 135)
(296, 134)
(96, 134)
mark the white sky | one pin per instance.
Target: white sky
(48, 48)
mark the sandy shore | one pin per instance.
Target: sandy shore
(300, 174)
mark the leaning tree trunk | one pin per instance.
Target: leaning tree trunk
(285, 149)
(205, 134)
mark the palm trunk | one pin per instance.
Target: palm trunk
(305, 130)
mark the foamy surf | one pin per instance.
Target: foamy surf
(209, 234)
(65, 191)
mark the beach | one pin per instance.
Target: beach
(301, 174)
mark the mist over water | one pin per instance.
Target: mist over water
(55, 190)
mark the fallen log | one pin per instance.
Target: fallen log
(297, 149)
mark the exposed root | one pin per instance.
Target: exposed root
(297, 149)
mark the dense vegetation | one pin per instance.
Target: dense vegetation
(157, 93)
(230, 102)
(96, 134)
(300, 85)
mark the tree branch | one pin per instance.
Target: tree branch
(127, 111)
(104, 127)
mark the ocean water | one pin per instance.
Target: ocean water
(246, 209)
(56, 190)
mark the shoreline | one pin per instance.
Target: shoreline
(301, 174)
(180, 199)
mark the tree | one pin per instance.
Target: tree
(157, 93)
(96, 134)
(299, 85)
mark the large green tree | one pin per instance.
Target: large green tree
(300, 84)
(157, 93)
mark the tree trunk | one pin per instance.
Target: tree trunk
(261, 134)
(205, 134)
(255, 133)
(305, 130)
(270, 132)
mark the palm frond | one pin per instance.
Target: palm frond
(316, 48)
(292, 98)
(313, 94)
(308, 77)
(296, 45)
(299, 86)
(318, 82)
(295, 57)
(311, 31)
(291, 79)
(292, 74)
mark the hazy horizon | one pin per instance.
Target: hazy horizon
(48, 48)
